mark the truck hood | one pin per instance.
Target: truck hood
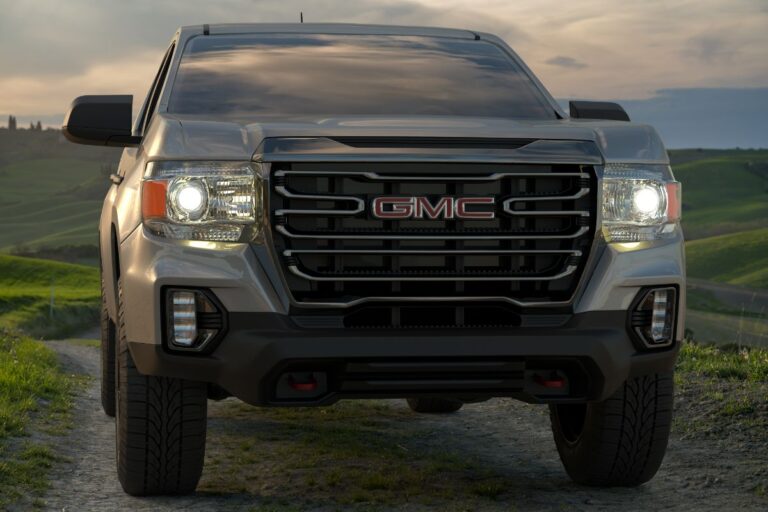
(184, 137)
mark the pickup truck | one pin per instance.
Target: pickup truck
(305, 213)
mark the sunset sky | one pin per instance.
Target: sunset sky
(52, 51)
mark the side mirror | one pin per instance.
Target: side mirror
(597, 110)
(100, 121)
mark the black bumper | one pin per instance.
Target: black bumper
(592, 352)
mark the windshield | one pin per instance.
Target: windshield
(298, 75)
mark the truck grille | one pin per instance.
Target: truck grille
(334, 250)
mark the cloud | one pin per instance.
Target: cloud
(565, 62)
(710, 49)
(38, 96)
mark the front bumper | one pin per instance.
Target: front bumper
(592, 349)
(262, 341)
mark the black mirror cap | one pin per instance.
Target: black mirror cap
(103, 120)
(598, 110)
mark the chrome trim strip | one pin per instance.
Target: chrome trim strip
(363, 300)
(280, 189)
(507, 204)
(390, 236)
(291, 252)
(570, 269)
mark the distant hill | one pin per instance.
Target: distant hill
(50, 189)
(724, 191)
(23, 145)
(738, 258)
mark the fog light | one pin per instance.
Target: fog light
(184, 319)
(654, 318)
(193, 319)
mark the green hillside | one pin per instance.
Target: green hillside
(26, 286)
(723, 191)
(738, 258)
(50, 189)
(41, 204)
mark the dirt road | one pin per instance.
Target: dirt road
(750, 300)
(746, 323)
(498, 455)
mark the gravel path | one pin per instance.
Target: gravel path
(750, 299)
(512, 438)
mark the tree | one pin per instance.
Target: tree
(39, 126)
(31, 126)
(11, 123)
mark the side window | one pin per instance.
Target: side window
(154, 92)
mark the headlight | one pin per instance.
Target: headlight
(639, 203)
(215, 201)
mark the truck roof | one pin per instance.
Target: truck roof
(326, 28)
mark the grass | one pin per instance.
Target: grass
(370, 452)
(738, 258)
(723, 390)
(720, 392)
(33, 393)
(25, 296)
(748, 364)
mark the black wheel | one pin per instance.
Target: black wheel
(618, 442)
(434, 405)
(107, 358)
(161, 425)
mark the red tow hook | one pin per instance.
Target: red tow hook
(310, 385)
(554, 381)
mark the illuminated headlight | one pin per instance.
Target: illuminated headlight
(188, 198)
(214, 201)
(639, 203)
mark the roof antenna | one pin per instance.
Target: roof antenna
(301, 17)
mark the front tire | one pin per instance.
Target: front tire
(618, 442)
(434, 405)
(161, 424)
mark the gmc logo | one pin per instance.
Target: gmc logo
(422, 208)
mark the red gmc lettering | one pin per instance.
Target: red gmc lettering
(401, 207)
(463, 202)
(422, 208)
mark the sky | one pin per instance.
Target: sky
(652, 55)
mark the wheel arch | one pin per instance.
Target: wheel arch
(109, 254)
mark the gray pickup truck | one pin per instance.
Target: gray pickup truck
(305, 213)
